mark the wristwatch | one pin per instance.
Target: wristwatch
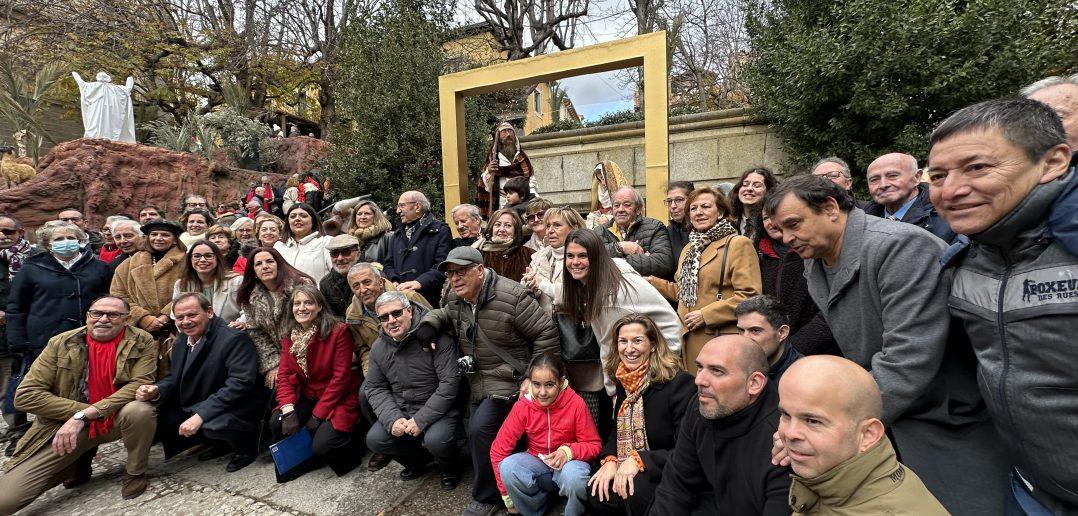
(79, 416)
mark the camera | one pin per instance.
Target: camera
(466, 364)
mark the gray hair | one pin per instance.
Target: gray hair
(114, 218)
(18, 225)
(1048, 82)
(424, 203)
(637, 200)
(837, 160)
(116, 225)
(391, 296)
(1027, 124)
(364, 266)
(471, 209)
(45, 232)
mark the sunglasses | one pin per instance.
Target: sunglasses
(338, 252)
(9, 232)
(395, 314)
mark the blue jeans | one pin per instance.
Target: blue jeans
(529, 482)
(1021, 503)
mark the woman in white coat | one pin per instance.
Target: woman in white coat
(205, 272)
(304, 245)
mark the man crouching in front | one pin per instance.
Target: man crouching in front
(81, 390)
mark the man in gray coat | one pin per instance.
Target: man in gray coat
(500, 326)
(642, 241)
(996, 169)
(877, 283)
(413, 389)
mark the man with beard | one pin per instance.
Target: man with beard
(506, 159)
(129, 238)
(213, 392)
(81, 390)
(343, 253)
(722, 461)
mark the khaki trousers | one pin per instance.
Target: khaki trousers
(135, 424)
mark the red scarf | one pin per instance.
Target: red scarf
(99, 378)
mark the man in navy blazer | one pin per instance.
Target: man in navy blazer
(212, 394)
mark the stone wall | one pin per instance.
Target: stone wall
(706, 148)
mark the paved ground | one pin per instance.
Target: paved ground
(184, 485)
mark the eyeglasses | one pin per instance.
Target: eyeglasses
(395, 314)
(112, 316)
(535, 216)
(674, 200)
(333, 253)
(459, 272)
(831, 175)
(196, 204)
(201, 256)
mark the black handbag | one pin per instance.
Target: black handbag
(13, 384)
(578, 342)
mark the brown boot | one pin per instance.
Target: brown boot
(134, 485)
(377, 462)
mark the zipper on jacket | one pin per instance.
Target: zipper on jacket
(1001, 328)
(548, 432)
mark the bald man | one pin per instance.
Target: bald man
(842, 460)
(721, 464)
(894, 182)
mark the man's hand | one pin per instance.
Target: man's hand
(409, 285)
(694, 320)
(411, 428)
(556, 460)
(623, 479)
(426, 335)
(67, 438)
(600, 481)
(156, 324)
(630, 248)
(780, 456)
(191, 426)
(398, 427)
(3, 317)
(146, 393)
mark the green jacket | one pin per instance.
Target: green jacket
(52, 389)
(873, 482)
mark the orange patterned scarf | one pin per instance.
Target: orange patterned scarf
(631, 435)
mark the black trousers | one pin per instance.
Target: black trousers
(336, 449)
(438, 441)
(638, 503)
(487, 417)
(169, 419)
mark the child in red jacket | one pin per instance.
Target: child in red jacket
(561, 440)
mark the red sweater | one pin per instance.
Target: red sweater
(566, 422)
(330, 380)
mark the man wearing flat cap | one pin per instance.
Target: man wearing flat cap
(499, 326)
(343, 252)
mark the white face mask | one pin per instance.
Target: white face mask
(65, 248)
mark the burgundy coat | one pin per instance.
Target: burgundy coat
(330, 381)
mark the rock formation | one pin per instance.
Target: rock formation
(106, 177)
(299, 154)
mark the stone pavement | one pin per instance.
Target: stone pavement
(183, 485)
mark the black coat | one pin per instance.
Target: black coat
(921, 214)
(784, 277)
(418, 258)
(730, 456)
(222, 384)
(664, 406)
(334, 287)
(679, 238)
(47, 299)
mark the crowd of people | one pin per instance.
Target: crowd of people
(780, 348)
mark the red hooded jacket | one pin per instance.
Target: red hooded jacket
(566, 422)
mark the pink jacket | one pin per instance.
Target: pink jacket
(566, 422)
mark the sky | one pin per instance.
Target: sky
(595, 94)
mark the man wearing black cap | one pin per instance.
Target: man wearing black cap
(499, 326)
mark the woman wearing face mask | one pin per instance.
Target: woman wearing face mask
(263, 295)
(195, 223)
(561, 441)
(146, 280)
(205, 272)
(316, 386)
(373, 230)
(652, 395)
(717, 270)
(304, 245)
(502, 245)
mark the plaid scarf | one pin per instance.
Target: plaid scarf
(690, 266)
(631, 434)
(15, 255)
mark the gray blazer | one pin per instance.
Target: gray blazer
(887, 307)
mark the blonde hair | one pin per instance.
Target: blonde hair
(663, 364)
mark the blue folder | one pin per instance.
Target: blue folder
(292, 451)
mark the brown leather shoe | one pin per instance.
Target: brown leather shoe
(134, 485)
(377, 462)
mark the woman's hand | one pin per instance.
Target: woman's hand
(601, 480)
(693, 320)
(623, 479)
(528, 279)
(237, 325)
(271, 378)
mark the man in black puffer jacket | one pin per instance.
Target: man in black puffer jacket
(641, 241)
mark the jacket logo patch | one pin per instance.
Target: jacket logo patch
(1049, 290)
(897, 475)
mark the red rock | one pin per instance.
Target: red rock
(105, 177)
(300, 153)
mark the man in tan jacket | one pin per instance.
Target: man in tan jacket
(843, 462)
(81, 390)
